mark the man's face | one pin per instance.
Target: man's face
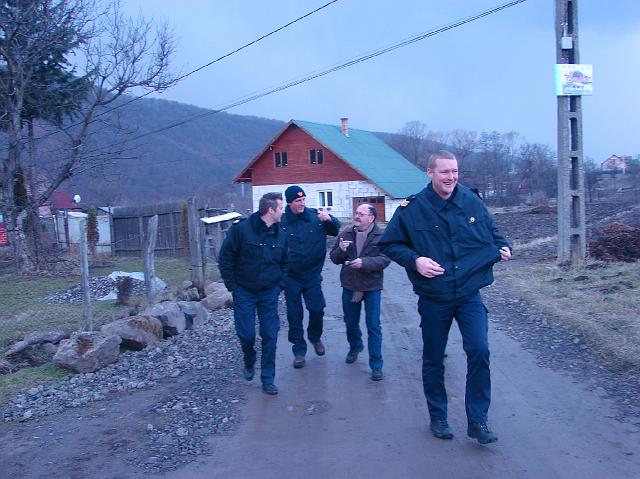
(363, 218)
(444, 176)
(277, 213)
(297, 205)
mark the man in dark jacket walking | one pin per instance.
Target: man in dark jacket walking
(447, 241)
(252, 265)
(306, 230)
(361, 277)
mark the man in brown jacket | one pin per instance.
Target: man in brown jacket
(361, 277)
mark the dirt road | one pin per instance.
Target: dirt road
(331, 421)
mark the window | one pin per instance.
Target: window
(325, 199)
(315, 156)
(281, 159)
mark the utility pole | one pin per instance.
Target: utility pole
(571, 200)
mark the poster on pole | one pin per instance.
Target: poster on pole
(573, 79)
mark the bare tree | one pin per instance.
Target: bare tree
(411, 142)
(462, 143)
(116, 56)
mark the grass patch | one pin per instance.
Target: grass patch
(598, 301)
(27, 378)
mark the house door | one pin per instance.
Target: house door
(376, 201)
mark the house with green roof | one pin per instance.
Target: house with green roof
(338, 167)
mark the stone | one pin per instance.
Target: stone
(34, 338)
(217, 297)
(193, 294)
(49, 348)
(137, 332)
(86, 352)
(187, 284)
(195, 313)
(173, 320)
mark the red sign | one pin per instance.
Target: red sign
(3, 235)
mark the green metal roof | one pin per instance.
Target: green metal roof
(371, 157)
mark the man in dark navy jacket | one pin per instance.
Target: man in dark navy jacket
(447, 241)
(306, 230)
(252, 264)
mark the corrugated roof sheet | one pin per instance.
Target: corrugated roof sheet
(370, 156)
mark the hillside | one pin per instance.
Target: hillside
(198, 158)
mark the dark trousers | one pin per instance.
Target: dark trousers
(245, 304)
(436, 318)
(351, 310)
(311, 290)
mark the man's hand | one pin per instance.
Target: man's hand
(323, 216)
(343, 245)
(356, 263)
(428, 268)
(505, 254)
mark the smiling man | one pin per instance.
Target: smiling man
(446, 240)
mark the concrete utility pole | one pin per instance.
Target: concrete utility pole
(571, 215)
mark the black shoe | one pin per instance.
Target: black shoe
(270, 389)
(298, 362)
(480, 431)
(352, 355)
(318, 347)
(376, 374)
(248, 373)
(440, 429)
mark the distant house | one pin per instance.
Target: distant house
(339, 168)
(615, 162)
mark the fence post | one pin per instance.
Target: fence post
(197, 269)
(84, 272)
(149, 270)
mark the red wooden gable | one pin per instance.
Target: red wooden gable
(296, 143)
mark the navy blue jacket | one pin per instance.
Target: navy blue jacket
(307, 241)
(253, 256)
(458, 233)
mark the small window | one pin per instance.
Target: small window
(319, 158)
(281, 159)
(312, 157)
(325, 199)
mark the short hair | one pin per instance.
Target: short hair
(442, 154)
(372, 211)
(268, 200)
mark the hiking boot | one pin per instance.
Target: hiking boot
(440, 429)
(270, 389)
(352, 355)
(298, 362)
(248, 372)
(480, 431)
(318, 348)
(376, 374)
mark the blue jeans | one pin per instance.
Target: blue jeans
(245, 304)
(351, 312)
(436, 319)
(294, 290)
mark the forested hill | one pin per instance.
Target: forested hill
(199, 157)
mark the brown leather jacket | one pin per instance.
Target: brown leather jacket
(370, 276)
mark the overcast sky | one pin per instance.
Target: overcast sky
(493, 74)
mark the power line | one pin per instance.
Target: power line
(182, 77)
(336, 67)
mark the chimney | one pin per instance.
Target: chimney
(344, 124)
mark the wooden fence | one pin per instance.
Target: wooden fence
(131, 223)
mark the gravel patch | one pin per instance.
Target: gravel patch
(557, 347)
(98, 288)
(206, 362)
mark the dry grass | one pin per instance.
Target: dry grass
(599, 301)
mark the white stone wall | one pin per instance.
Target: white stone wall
(343, 194)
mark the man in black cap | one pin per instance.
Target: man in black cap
(306, 230)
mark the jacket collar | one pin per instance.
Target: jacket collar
(258, 225)
(439, 203)
(306, 215)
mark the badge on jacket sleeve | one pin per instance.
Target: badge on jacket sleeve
(472, 219)
(407, 200)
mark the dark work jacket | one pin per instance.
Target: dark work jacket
(306, 241)
(253, 256)
(458, 233)
(370, 276)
